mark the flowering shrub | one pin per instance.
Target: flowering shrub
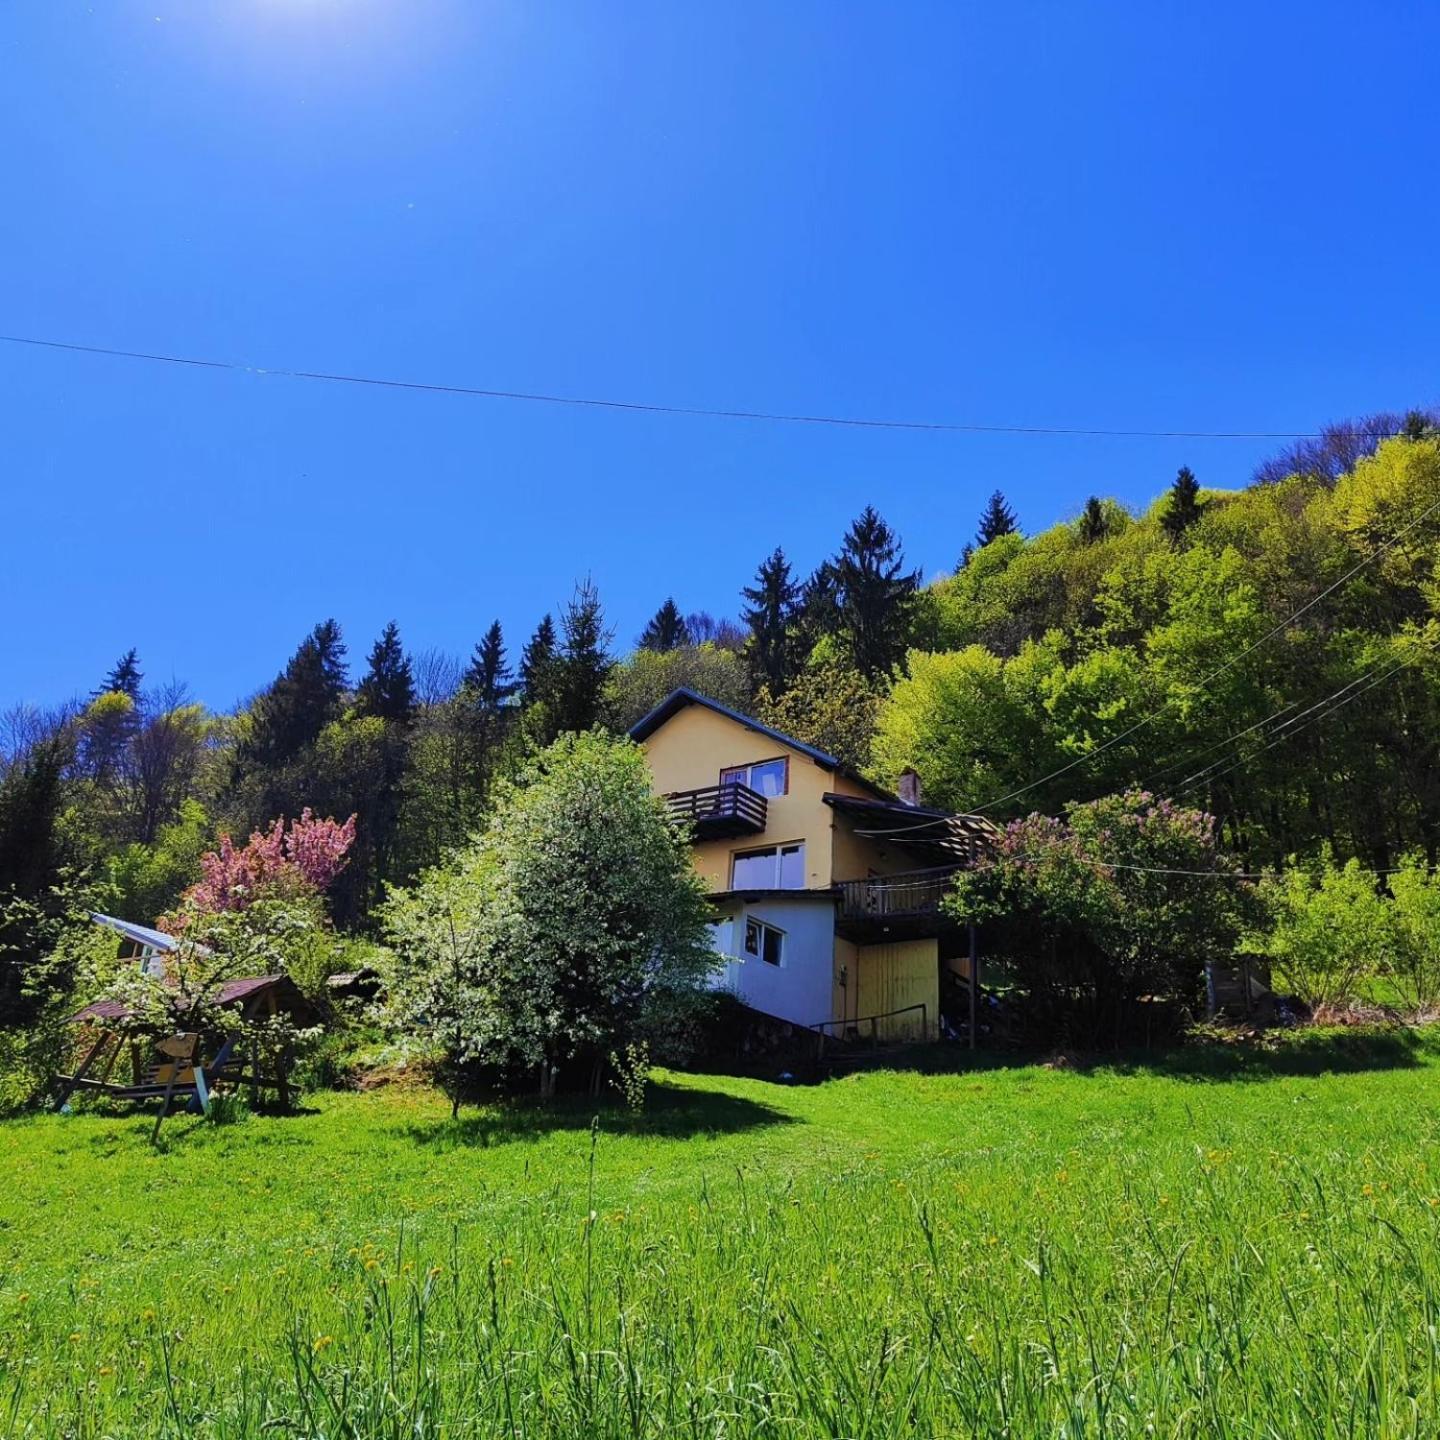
(1123, 899)
(280, 862)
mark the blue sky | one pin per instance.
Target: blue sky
(1146, 216)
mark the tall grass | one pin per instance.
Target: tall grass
(1111, 1256)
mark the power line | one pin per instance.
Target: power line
(1285, 732)
(646, 407)
(1219, 670)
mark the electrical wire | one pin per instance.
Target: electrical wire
(646, 407)
(1219, 670)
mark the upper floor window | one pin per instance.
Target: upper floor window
(777, 867)
(769, 778)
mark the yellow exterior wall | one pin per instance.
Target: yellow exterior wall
(892, 977)
(691, 749)
(846, 995)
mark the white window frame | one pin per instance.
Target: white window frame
(779, 853)
(761, 929)
(740, 774)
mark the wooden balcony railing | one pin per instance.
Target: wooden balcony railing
(910, 895)
(715, 810)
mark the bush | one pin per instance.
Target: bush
(1415, 968)
(1121, 903)
(1331, 931)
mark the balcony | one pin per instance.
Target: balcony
(895, 907)
(718, 812)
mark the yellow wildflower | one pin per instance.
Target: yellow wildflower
(324, 1342)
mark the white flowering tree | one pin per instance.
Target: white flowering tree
(573, 931)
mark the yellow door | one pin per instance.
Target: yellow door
(899, 977)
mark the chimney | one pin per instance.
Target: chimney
(909, 788)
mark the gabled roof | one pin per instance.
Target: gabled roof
(677, 700)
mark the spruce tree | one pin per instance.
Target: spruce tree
(111, 723)
(771, 615)
(583, 663)
(537, 662)
(125, 677)
(997, 519)
(667, 629)
(1094, 525)
(304, 698)
(1184, 508)
(875, 594)
(488, 680)
(388, 689)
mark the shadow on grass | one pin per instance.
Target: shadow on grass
(670, 1113)
(1263, 1056)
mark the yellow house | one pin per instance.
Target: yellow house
(827, 888)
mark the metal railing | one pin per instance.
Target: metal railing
(822, 1028)
(731, 803)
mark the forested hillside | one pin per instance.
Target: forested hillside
(1267, 655)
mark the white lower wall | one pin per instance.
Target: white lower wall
(799, 989)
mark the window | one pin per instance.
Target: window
(777, 867)
(769, 778)
(763, 941)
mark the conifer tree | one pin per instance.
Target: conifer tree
(875, 594)
(771, 615)
(112, 719)
(488, 679)
(125, 677)
(584, 662)
(388, 689)
(997, 519)
(667, 629)
(537, 662)
(1094, 525)
(304, 698)
(1184, 507)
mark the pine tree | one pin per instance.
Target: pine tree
(488, 680)
(537, 662)
(112, 720)
(388, 689)
(124, 677)
(584, 661)
(1094, 524)
(667, 629)
(1184, 508)
(304, 698)
(998, 519)
(875, 594)
(774, 604)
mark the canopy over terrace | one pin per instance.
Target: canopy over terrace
(174, 1064)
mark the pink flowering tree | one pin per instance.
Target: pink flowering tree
(297, 861)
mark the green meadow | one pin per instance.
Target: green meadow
(1219, 1243)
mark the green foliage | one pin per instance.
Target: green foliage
(146, 881)
(1125, 900)
(666, 629)
(1331, 930)
(638, 684)
(1415, 964)
(574, 925)
(1183, 509)
(387, 691)
(968, 722)
(773, 614)
(828, 705)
